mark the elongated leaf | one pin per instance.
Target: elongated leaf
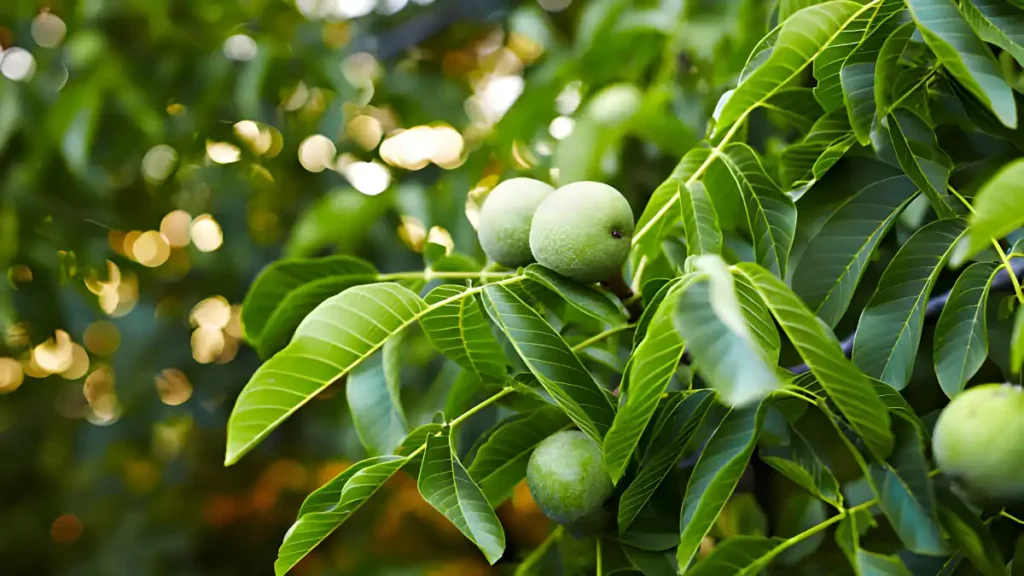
(663, 208)
(700, 222)
(551, 360)
(771, 216)
(809, 160)
(997, 22)
(857, 75)
(801, 464)
(736, 555)
(715, 477)
(716, 343)
(802, 38)
(683, 415)
(285, 291)
(873, 195)
(827, 66)
(964, 55)
(586, 299)
(961, 334)
(459, 330)
(918, 153)
(998, 210)
(372, 391)
(651, 367)
(889, 331)
(796, 106)
(887, 66)
(330, 505)
(971, 534)
(758, 318)
(848, 387)
(862, 561)
(339, 334)
(1017, 342)
(446, 485)
(500, 462)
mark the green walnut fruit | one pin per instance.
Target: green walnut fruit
(505, 218)
(979, 442)
(583, 231)
(567, 478)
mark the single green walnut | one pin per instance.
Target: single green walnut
(583, 231)
(978, 442)
(504, 229)
(567, 478)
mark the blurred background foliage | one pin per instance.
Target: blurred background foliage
(156, 154)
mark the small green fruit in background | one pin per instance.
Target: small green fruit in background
(567, 478)
(583, 231)
(504, 229)
(979, 442)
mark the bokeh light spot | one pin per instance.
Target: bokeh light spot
(17, 64)
(206, 233)
(561, 127)
(102, 338)
(207, 344)
(48, 30)
(11, 375)
(173, 387)
(213, 312)
(240, 48)
(79, 363)
(370, 178)
(223, 152)
(66, 529)
(151, 249)
(158, 163)
(175, 228)
(56, 354)
(317, 152)
(366, 131)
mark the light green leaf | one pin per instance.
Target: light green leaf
(330, 505)
(459, 330)
(736, 555)
(286, 291)
(917, 150)
(651, 367)
(997, 22)
(340, 333)
(964, 55)
(862, 561)
(870, 196)
(998, 210)
(973, 536)
(681, 417)
(716, 342)
(802, 38)
(771, 216)
(662, 209)
(889, 331)
(961, 334)
(551, 360)
(848, 387)
(500, 462)
(700, 222)
(446, 485)
(1017, 342)
(715, 476)
(586, 299)
(372, 391)
(758, 318)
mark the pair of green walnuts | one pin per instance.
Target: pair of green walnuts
(581, 230)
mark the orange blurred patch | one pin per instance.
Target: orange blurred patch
(328, 470)
(220, 510)
(66, 529)
(523, 520)
(462, 567)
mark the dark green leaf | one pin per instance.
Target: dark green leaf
(961, 334)
(586, 299)
(918, 153)
(971, 535)
(700, 222)
(459, 330)
(735, 556)
(997, 22)
(372, 391)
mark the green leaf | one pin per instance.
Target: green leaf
(807, 161)
(652, 365)
(964, 55)
(715, 476)
(796, 106)
(961, 334)
(871, 197)
(997, 22)
(500, 462)
(850, 390)
(446, 485)
(700, 222)
(330, 505)
(973, 536)
(998, 210)
(651, 563)
(459, 330)
(551, 360)
(286, 291)
(1017, 342)
(887, 66)
(771, 216)
(682, 416)
(339, 334)
(917, 150)
(372, 391)
(736, 555)
(802, 38)
(586, 299)
(758, 318)
(716, 342)
(662, 209)
(863, 561)
(857, 75)
(800, 463)
(889, 331)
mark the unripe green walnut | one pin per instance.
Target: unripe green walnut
(978, 442)
(567, 478)
(504, 229)
(583, 231)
